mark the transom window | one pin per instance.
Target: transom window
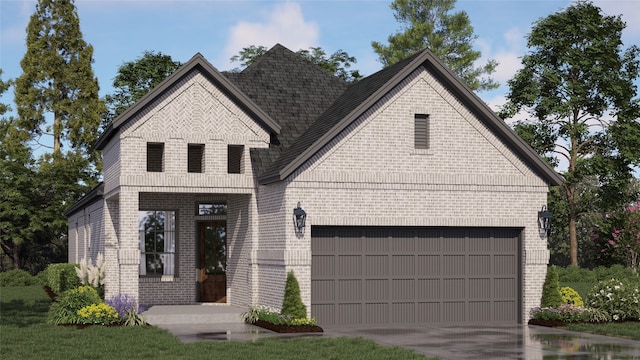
(212, 209)
(157, 241)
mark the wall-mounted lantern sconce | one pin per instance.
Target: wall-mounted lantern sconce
(299, 218)
(544, 219)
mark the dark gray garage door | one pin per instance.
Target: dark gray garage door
(382, 275)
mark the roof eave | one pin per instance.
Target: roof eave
(462, 90)
(354, 114)
(196, 61)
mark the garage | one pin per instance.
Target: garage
(421, 275)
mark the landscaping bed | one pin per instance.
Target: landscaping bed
(288, 328)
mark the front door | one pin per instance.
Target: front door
(212, 282)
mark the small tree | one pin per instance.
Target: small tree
(618, 237)
(551, 291)
(292, 304)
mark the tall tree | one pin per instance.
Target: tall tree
(337, 63)
(58, 79)
(56, 94)
(16, 186)
(576, 84)
(135, 79)
(449, 35)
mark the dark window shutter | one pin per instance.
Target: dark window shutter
(195, 158)
(234, 159)
(155, 157)
(421, 131)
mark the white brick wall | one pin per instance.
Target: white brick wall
(369, 175)
(191, 111)
(372, 175)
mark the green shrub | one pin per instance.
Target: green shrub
(17, 277)
(65, 309)
(573, 273)
(570, 296)
(292, 304)
(551, 291)
(62, 277)
(619, 298)
(614, 272)
(569, 313)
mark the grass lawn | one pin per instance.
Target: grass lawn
(24, 334)
(630, 330)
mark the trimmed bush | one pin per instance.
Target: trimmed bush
(619, 298)
(551, 291)
(65, 309)
(572, 274)
(570, 296)
(62, 277)
(17, 277)
(292, 304)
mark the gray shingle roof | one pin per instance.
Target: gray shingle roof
(292, 90)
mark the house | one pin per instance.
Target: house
(421, 204)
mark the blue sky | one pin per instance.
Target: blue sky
(121, 30)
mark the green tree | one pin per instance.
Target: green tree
(135, 79)
(551, 290)
(58, 79)
(292, 304)
(57, 94)
(16, 186)
(337, 63)
(449, 35)
(574, 75)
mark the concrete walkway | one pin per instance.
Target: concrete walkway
(224, 323)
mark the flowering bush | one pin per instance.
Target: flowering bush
(569, 313)
(65, 309)
(618, 238)
(570, 296)
(619, 298)
(127, 308)
(273, 316)
(101, 314)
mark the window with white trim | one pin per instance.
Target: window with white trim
(157, 241)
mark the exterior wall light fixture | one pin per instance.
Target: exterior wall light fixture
(544, 219)
(299, 218)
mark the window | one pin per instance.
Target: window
(195, 157)
(212, 209)
(421, 136)
(234, 159)
(157, 241)
(155, 157)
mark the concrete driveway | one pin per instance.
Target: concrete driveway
(498, 342)
(192, 323)
(448, 342)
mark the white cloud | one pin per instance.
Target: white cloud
(627, 8)
(284, 24)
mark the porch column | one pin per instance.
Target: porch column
(129, 251)
(111, 218)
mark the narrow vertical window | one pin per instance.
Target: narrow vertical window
(234, 159)
(155, 157)
(195, 158)
(421, 138)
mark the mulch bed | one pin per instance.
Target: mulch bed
(50, 292)
(557, 323)
(288, 328)
(547, 323)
